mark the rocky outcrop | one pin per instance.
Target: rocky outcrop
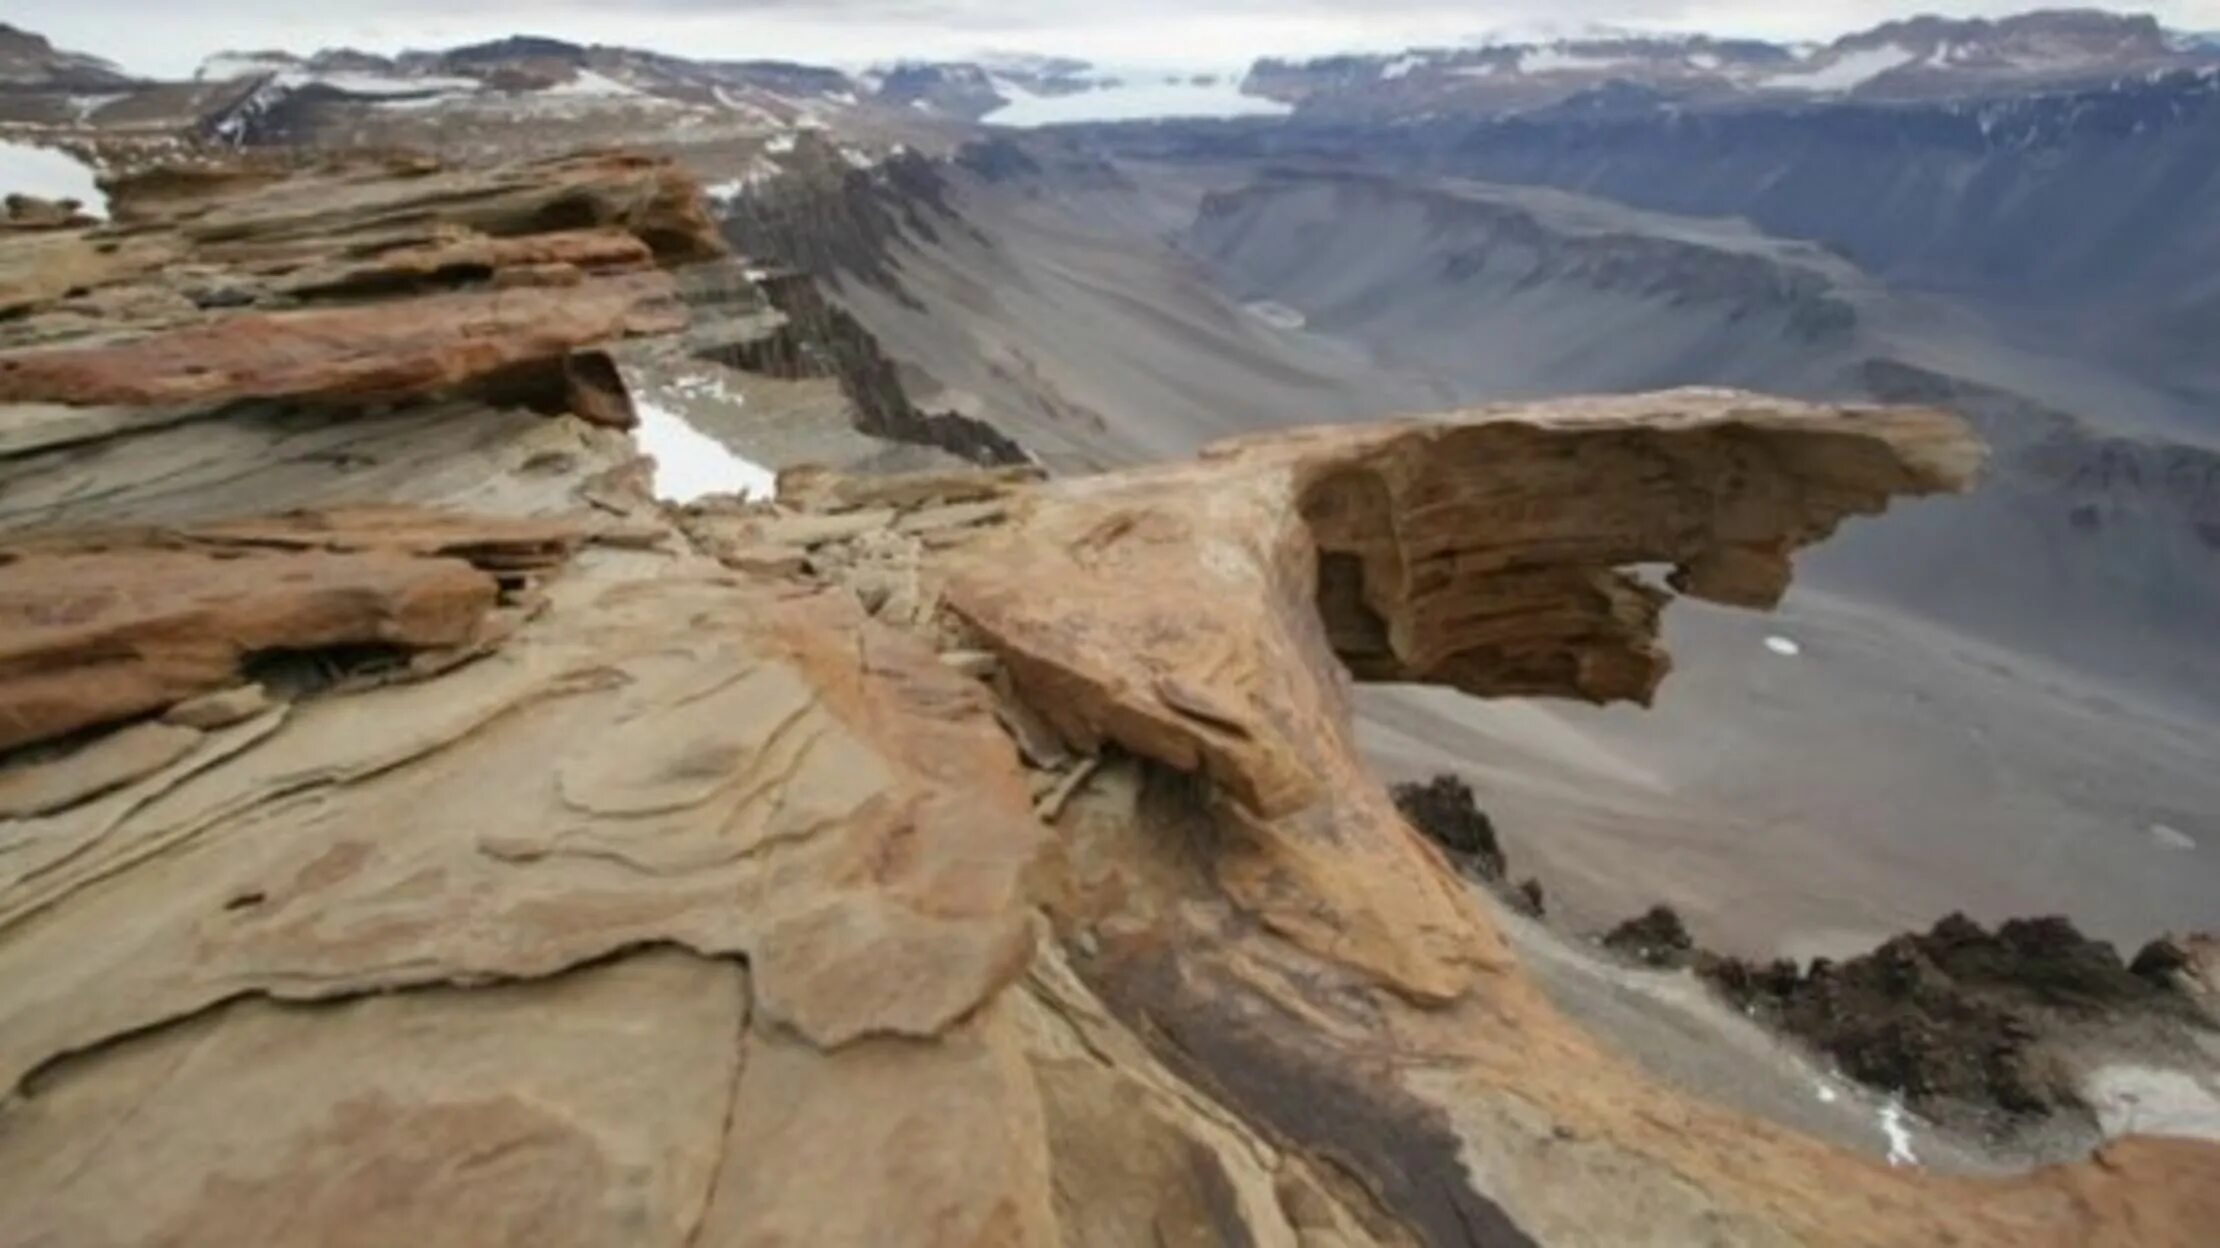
(951, 860)
(451, 281)
(1962, 1021)
(97, 627)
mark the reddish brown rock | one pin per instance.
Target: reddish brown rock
(441, 344)
(1202, 614)
(100, 627)
(480, 281)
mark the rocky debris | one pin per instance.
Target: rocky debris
(714, 906)
(874, 536)
(1445, 810)
(1657, 938)
(1960, 1021)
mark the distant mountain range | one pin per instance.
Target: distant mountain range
(248, 95)
(1922, 58)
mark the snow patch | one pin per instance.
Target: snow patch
(1704, 60)
(2171, 837)
(1136, 97)
(354, 83)
(1786, 647)
(689, 464)
(2151, 1100)
(49, 173)
(1900, 1136)
(1847, 71)
(589, 83)
(1556, 60)
(225, 66)
(84, 106)
(759, 171)
(1401, 67)
(1277, 315)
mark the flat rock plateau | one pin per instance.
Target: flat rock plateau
(411, 831)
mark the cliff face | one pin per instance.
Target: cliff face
(952, 860)
(827, 222)
(2092, 205)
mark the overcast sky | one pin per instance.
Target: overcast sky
(169, 37)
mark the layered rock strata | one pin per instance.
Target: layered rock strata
(955, 860)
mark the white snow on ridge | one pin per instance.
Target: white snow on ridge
(589, 83)
(1556, 60)
(49, 173)
(1140, 97)
(1401, 67)
(1849, 70)
(355, 83)
(225, 66)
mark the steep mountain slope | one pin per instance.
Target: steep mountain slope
(2080, 220)
(1050, 305)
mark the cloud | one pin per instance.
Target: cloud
(169, 37)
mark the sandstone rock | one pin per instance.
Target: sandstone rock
(99, 627)
(822, 490)
(221, 709)
(440, 344)
(1483, 551)
(418, 262)
(463, 258)
(110, 762)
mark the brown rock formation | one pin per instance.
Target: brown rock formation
(950, 861)
(1483, 553)
(102, 626)
(459, 281)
